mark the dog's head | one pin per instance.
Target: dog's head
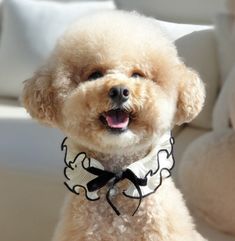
(114, 82)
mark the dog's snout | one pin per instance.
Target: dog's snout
(119, 94)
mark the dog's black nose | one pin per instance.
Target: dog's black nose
(119, 94)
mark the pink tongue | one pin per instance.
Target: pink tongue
(117, 119)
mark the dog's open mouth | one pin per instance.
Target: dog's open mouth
(116, 120)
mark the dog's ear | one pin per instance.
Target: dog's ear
(191, 95)
(39, 97)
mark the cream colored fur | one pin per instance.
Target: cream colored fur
(129, 50)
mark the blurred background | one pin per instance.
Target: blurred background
(31, 162)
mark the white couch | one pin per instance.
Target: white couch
(31, 163)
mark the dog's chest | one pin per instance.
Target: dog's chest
(100, 221)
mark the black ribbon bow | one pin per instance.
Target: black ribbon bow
(103, 177)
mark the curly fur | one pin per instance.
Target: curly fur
(60, 94)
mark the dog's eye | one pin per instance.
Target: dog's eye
(137, 75)
(95, 75)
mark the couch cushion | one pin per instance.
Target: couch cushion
(29, 32)
(210, 233)
(26, 145)
(225, 33)
(12, 109)
(182, 140)
(29, 205)
(224, 111)
(198, 50)
(178, 30)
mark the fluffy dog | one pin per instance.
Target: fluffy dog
(115, 85)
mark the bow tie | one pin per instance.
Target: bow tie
(104, 177)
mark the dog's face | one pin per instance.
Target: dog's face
(114, 83)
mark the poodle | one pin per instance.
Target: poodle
(116, 86)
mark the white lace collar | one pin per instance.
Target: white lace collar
(86, 172)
